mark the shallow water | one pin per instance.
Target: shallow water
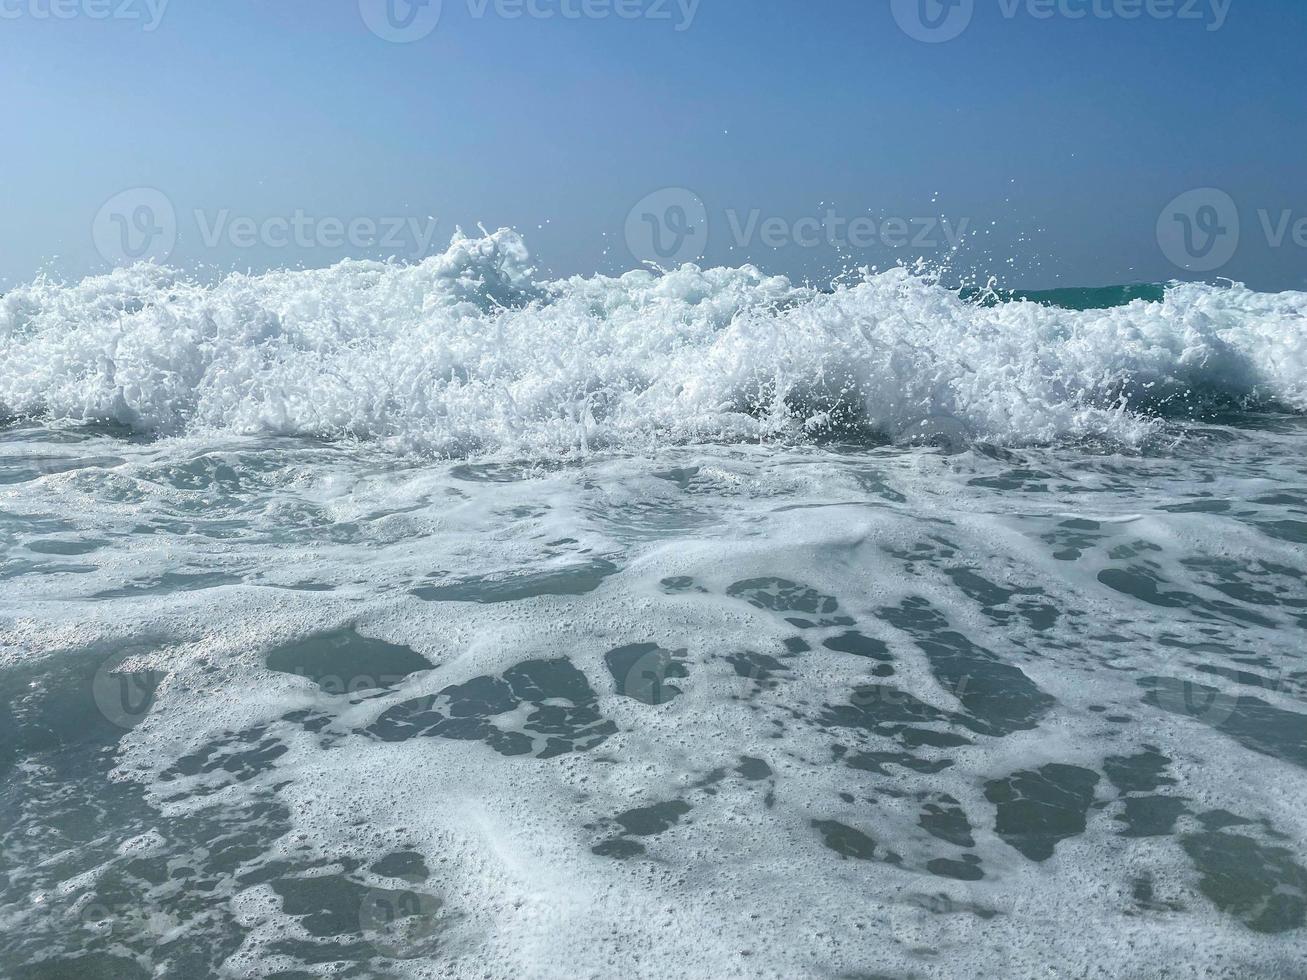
(282, 708)
(436, 621)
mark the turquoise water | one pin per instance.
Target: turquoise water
(858, 700)
(1073, 298)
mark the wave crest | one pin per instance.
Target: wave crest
(467, 352)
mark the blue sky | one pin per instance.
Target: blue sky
(1037, 146)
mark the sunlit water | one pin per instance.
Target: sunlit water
(875, 695)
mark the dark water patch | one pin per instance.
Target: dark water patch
(849, 842)
(945, 819)
(575, 580)
(683, 477)
(347, 921)
(1259, 884)
(1290, 683)
(89, 966)
(998, 695)
(884, 710)
(1018, 480)
(759, 668)
(783, 596)
(967, 868)
(877, 761)
(1142, 891)
(860, 646)
(300, 586)
(1199, 506)
(406, 865)
(1151, 816)
(19, 569)
(1293, 531)
(753, 769)
(65, 547)
(62, 819)
(645, 821)
(77, 700)
(680, 584)
(1143, 772)
(642, 670)
(1232, 579)
(563, 716)
(345, 662)
(169, 583)
(1140, 583)
(1070, 297)
(708, 782)
(326, 906)
(1039, 614)
(1221, 819)
(1248, 720)
(876, 484)
(13, 526)
(242, 755)
(1039, 809)
(1072, 538)
(916, 738)
(619, 848)
(978, 587)
(652, 820)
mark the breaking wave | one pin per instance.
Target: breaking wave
(467, 352)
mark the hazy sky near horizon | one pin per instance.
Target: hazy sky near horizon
(1045, 144)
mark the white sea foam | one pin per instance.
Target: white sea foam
(466, 352)
(193, 560)
(744, 885)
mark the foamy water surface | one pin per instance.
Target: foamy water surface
(440, 621)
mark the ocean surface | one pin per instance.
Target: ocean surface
(439, 620)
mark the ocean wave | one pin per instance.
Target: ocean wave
(468, 352)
